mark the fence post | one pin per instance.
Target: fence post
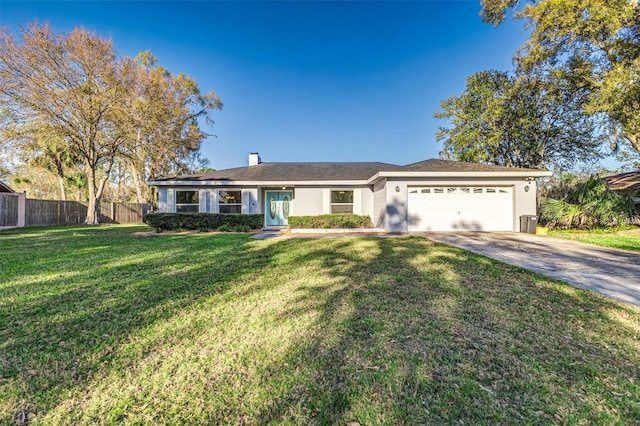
(113, 212)
(22, 209)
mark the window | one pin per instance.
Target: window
(187, 202)
(230, 201)
(341, 202)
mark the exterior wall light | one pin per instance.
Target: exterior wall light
(397, 189)
(526, 188)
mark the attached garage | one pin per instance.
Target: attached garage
(460, 208)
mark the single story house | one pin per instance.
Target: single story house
(5, 188)
(431, 195)
(626, 183)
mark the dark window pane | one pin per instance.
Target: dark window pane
(341, 208)
(341, 197)
(187, 208)
(230, 197)
(187, 197)
(233, 208)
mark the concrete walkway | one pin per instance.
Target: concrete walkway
(614, 273)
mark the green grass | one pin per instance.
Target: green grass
(628, 239)
(119, 325)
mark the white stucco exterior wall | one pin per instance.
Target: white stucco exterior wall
(250, 201)
(203, 198)
(171, 200)
(213, 201)
(366, 202)
(308, 201)
(380, 205)
(396, 206)
(163, 207)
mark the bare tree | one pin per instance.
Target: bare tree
(162, 123)
(78, 99)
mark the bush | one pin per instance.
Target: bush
(204, 221)
(225, 227)
(589, 204)
(330, 221)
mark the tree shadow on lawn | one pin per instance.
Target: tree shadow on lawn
(58, 334)
(402, 331)
(425, 333)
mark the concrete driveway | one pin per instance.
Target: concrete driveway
(614, 273)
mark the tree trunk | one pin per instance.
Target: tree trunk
(63, 192)
(92, 213)
(60, 173)
(137, 182)
(635, 141)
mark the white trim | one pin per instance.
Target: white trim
(241, 203)
(326, 200)
(331, 203)
(519, 174)
(258, 183)
(199, 203)
(357, 201)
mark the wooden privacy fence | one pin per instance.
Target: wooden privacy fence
(55, 212)
(8, 209)
(122, 212)
(50, 212)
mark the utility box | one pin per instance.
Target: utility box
(528, 224)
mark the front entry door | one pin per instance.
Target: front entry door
(277, 207)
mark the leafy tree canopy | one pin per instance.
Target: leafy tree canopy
(593, 45)
(518, 122)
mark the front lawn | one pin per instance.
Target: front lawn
(116, 324)
(628, 239)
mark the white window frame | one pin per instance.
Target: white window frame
(220, 197)
(187, 204)
(331, 203)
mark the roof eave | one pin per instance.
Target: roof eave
(455, 174)
(256, 182)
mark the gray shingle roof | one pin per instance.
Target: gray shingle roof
(436, 165)
(289, 172)
(5, 188)
(293, 172)
(629, 181)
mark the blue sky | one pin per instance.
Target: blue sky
(305, 81)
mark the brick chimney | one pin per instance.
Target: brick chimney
(254, 159)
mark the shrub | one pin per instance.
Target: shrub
(330, 221)
(589, 204)
(242, 228)
(225, 227)
(204, 221)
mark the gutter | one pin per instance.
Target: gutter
(520, 175)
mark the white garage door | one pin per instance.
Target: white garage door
(460, 208)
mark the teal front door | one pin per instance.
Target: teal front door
(278, 207)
